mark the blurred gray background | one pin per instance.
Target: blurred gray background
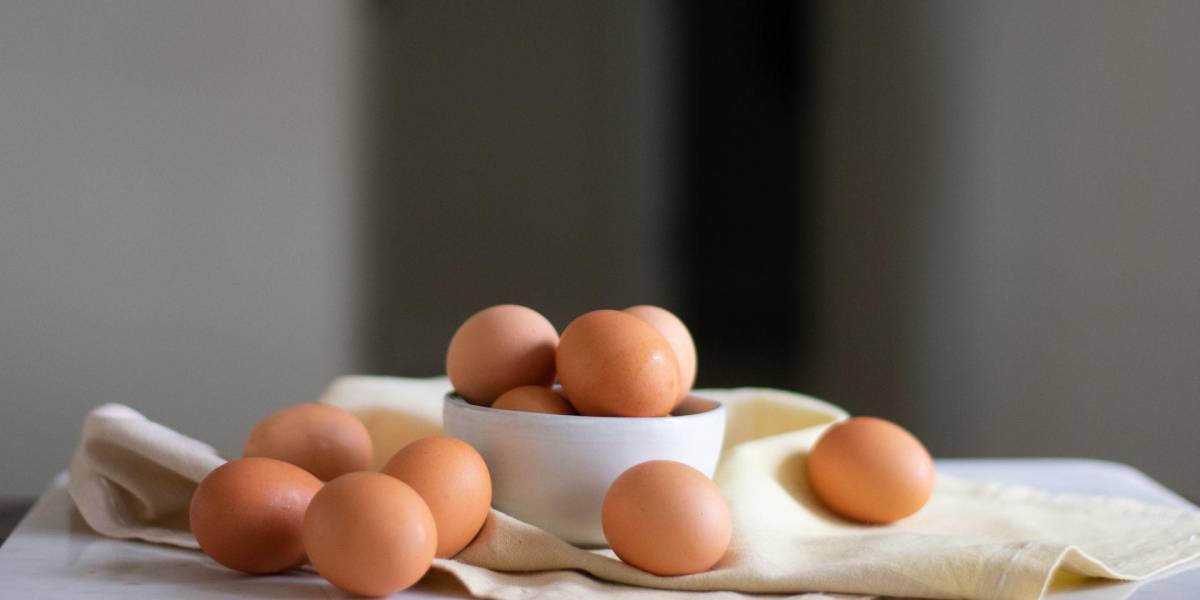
(981, 220)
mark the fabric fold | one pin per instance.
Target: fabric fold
(133, 478)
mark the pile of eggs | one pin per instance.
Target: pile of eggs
(368, 533)
(639, 362)
(661, 516)
(304, 492)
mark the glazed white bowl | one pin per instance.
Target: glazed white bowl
(554, 470)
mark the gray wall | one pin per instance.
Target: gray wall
(209, 209)
(174, 226)
(1012, 208)
(523, 154)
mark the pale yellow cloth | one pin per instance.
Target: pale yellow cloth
(133, 478)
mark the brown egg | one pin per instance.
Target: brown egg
(325, 440)
(534, 398)
(498, 349)
(454, 482)
(870, 470)
(666, 518)
(369, 534)
(678, 336)
(247, 514)
(612, 363)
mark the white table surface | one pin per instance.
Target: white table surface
(53, 554)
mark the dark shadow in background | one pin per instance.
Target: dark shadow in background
(745, 243)
(810, 178)
(877, 160)
(516, 153)
(375, 243)
(739, 242)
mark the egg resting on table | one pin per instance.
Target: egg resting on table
(453, 480)
(666, 518)
(870, 470)
(247, 514)
(324, 440)
(369, 534)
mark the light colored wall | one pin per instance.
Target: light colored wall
(1013, 216)
(176, 215)
(207, 210)
(1008, 208)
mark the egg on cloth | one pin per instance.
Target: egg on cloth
(369, 534)
(611, 363)
(500, 348)
(247, 514)
(534, 398)
(666, 518)
(870, 470)
(453, 480)
(324, 440)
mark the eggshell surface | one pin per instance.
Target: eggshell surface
(677, 334)
(498, 349)
(247, 514)
(870, 470)
(454, 482)
(666, 518)
(534, 398)
(324, 440)
(611, 363)
(369, 534)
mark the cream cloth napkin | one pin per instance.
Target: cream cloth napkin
(133, 478)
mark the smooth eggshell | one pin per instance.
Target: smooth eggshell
(534, 398)
(870, 470)
(369, 534)
(666, 518)
(498, 349)
(247, 514)
(453, 480)
(677, 334)
(611, 363)
(324, 440)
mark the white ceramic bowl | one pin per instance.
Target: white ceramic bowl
(554, 470)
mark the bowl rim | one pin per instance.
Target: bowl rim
(452, 397)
